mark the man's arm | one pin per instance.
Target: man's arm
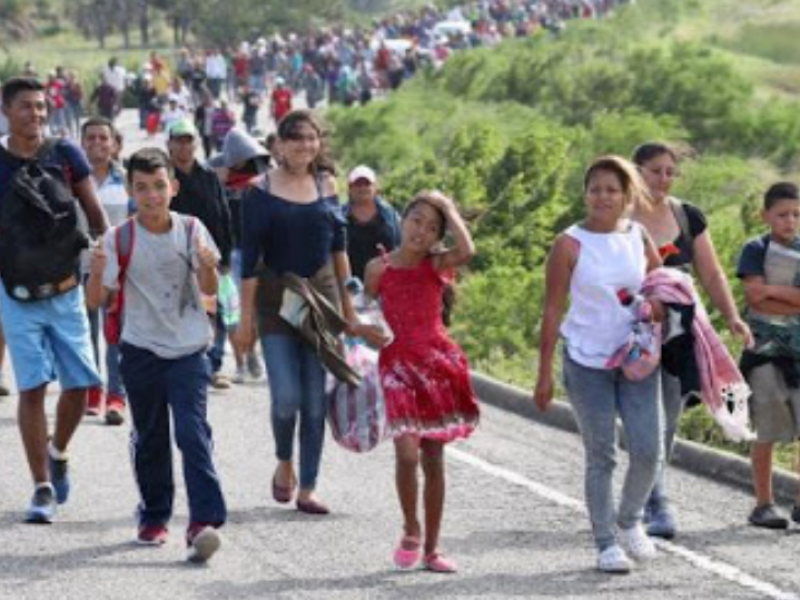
(87, 195)
(225, 225)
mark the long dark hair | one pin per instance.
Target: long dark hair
(288, 129)
(646, 152)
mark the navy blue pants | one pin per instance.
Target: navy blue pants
(155, 386)
(216, 351)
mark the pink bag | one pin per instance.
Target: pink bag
(640, 355)
(357, 415)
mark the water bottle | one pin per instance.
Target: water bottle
(368, 309)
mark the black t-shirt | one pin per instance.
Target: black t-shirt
(201, 195)
(697, 225)
(363, 240)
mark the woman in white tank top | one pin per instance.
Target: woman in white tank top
(591, 263)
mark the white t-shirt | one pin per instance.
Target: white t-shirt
(113, 195)
(597, 322)
(163, 309)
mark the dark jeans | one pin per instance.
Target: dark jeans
(155, 385)
(216, 351)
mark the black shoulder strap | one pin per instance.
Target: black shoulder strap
(47, 146)
(43, 150)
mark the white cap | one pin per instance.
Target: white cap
(362, 172)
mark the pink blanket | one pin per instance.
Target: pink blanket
(724, 390)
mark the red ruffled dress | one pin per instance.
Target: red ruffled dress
(424, 374)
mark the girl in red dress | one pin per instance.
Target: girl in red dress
(424, 374)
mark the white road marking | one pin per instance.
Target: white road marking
(717, 567)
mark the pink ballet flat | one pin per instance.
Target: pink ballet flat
(407, 553)
(439, 564)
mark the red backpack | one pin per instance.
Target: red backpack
(123, 242)
(124, 237)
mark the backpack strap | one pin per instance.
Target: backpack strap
(48, 146)
(123, 240)
(679, 212)
(189, 227)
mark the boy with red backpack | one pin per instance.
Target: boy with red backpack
(160, 262)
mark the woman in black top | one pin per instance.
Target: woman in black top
(681, 235)
(292, 223)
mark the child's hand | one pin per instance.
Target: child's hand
(440, 201)
(98, 259)
(206, 255)
(374, 335)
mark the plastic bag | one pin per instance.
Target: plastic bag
(357, 415)
(228, 301)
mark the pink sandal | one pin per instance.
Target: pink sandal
(439, 564)
(407, 553)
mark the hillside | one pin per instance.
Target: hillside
(509, 131)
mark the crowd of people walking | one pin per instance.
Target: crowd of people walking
(163, 237)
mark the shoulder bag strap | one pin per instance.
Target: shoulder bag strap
(680, 216)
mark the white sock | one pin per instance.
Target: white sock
(56, 453)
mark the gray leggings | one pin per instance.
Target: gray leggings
(597, 396)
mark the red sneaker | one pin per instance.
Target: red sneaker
(115, 409)
(94, 401)
(152, 535)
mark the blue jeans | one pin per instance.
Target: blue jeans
(155, 387)
(297, 384)
(597, 396)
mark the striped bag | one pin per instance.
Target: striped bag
(357, 415)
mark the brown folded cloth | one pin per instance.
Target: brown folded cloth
(323, 323)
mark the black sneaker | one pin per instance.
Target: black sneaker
(769, 517)
(796, 513)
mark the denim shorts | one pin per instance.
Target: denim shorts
(49, 339)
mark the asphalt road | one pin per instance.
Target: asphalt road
(514, 522)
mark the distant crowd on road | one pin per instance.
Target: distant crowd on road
(334, 65)
(171, 258)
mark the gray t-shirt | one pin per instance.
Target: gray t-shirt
(163, 309)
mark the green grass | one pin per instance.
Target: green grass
(70, 50)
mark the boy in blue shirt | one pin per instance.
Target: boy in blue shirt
(769, 267)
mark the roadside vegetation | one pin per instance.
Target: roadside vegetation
(508, 132)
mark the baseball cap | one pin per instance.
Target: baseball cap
(237, 148)
(362, 172)
(183, 128)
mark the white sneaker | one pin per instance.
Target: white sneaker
(614, 560)
(239, 377)
(203, 545)
(639, 545)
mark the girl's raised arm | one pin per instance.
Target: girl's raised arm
(464, 248)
